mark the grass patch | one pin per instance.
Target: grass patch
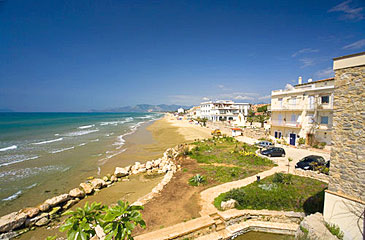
(223, 174)
(279, 192)
(335, 230)
(227, 150)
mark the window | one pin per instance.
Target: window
(293, 118)
(324, 120)
(325, 99)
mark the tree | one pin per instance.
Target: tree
(204, 121)
(262, 109)
(117, 221)
(261, 119)
(250, 116)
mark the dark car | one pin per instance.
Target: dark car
(274, 152)
(308, 162)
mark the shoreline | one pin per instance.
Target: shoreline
(146, 143)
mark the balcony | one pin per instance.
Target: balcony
(285, 124)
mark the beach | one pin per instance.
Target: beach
(147, 143)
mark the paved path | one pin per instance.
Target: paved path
(207, 196)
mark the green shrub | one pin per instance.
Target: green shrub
(197, 180)
(335, 230)
(278, 178)
(301, 141)
(237, 194)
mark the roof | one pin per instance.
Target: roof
(237, 129)
(322, 80)
(348, 56)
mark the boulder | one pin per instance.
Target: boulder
(70, 203)
(44, 207)
(315, 227)
(77, 193)
(54, 211)
(88, 189)
(97, 183)
(57, 200)
(121, 172)
(142, 170)
(12, 221)
(228, 204)
(105, 179)
(30, 212)
(113, 178)
(149, 165)
(43, 221)
(156, 163)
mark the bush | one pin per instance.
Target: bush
(322, 145)
(197, 180)
(301, 141)
(278, 178)
(237, 194)
(335, 230)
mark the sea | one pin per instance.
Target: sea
(35, 148)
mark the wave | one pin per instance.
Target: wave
(32, 186)
(104, 160)
(61, 150)
(82, 144)
(95, 140)
(8, 148)
(49, 141)
(86, 126)
(18, 161)
(80, 133)
(14, 175)
(128, 119)
(109, 134)
(14, 196)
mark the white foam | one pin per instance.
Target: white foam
(82, 144)
(80, 133)
(8, 148)
(104, 160)
(48, 141)
(95, 140)
(128, 119)
(13, 175)
(14, 196)
(61, 150)
(32, 186)
(18, 161)
(86, 126)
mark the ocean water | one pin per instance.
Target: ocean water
(37, 147)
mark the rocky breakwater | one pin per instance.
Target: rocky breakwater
(16, 223)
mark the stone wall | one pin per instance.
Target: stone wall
(347, 169)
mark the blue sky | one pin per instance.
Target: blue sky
(79, 55)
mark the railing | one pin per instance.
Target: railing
(285, 123)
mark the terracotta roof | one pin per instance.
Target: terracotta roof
(322, 80)
(237, 129)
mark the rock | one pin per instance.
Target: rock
(57, 200)
(108, 183)
(315, 228)
(70, 203)
(156, 163)
(97, 183)
(121, 172)
(77, 193)
(43, 221)
(32, 221)
(12, 221)
(88, 189)
(228, 204)
(105, 179)
(142, 170)
(54, 211)
(90, 178)
(149, 165)
(113, 178)
(135, 172)
(9, 235)
(44, 207)
(30, 212)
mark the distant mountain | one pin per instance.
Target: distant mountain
(6, 110)
(144, 108)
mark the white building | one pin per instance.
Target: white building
(180, 110)
(223, 110)
(303, 111)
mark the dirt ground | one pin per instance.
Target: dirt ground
(177, 202)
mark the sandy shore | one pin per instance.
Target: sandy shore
(149, 142)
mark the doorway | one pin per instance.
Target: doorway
(292, 137)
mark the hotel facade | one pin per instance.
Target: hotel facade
(224, 110)
(303, 111)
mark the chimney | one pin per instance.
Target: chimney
(310, 80)
(299, 80)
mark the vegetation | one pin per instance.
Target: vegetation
(197, 180)
(279, 192)
(117, 221)
(227, 150)
(289, 160)
(266, 139)
(222, 174)
(301, 141)
(335, 230)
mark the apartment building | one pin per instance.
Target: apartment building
(224, 110)
(303, 111)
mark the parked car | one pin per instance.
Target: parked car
(274, 152)
(265, 144)
(307, 162)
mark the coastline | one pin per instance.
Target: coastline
(147, 143)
